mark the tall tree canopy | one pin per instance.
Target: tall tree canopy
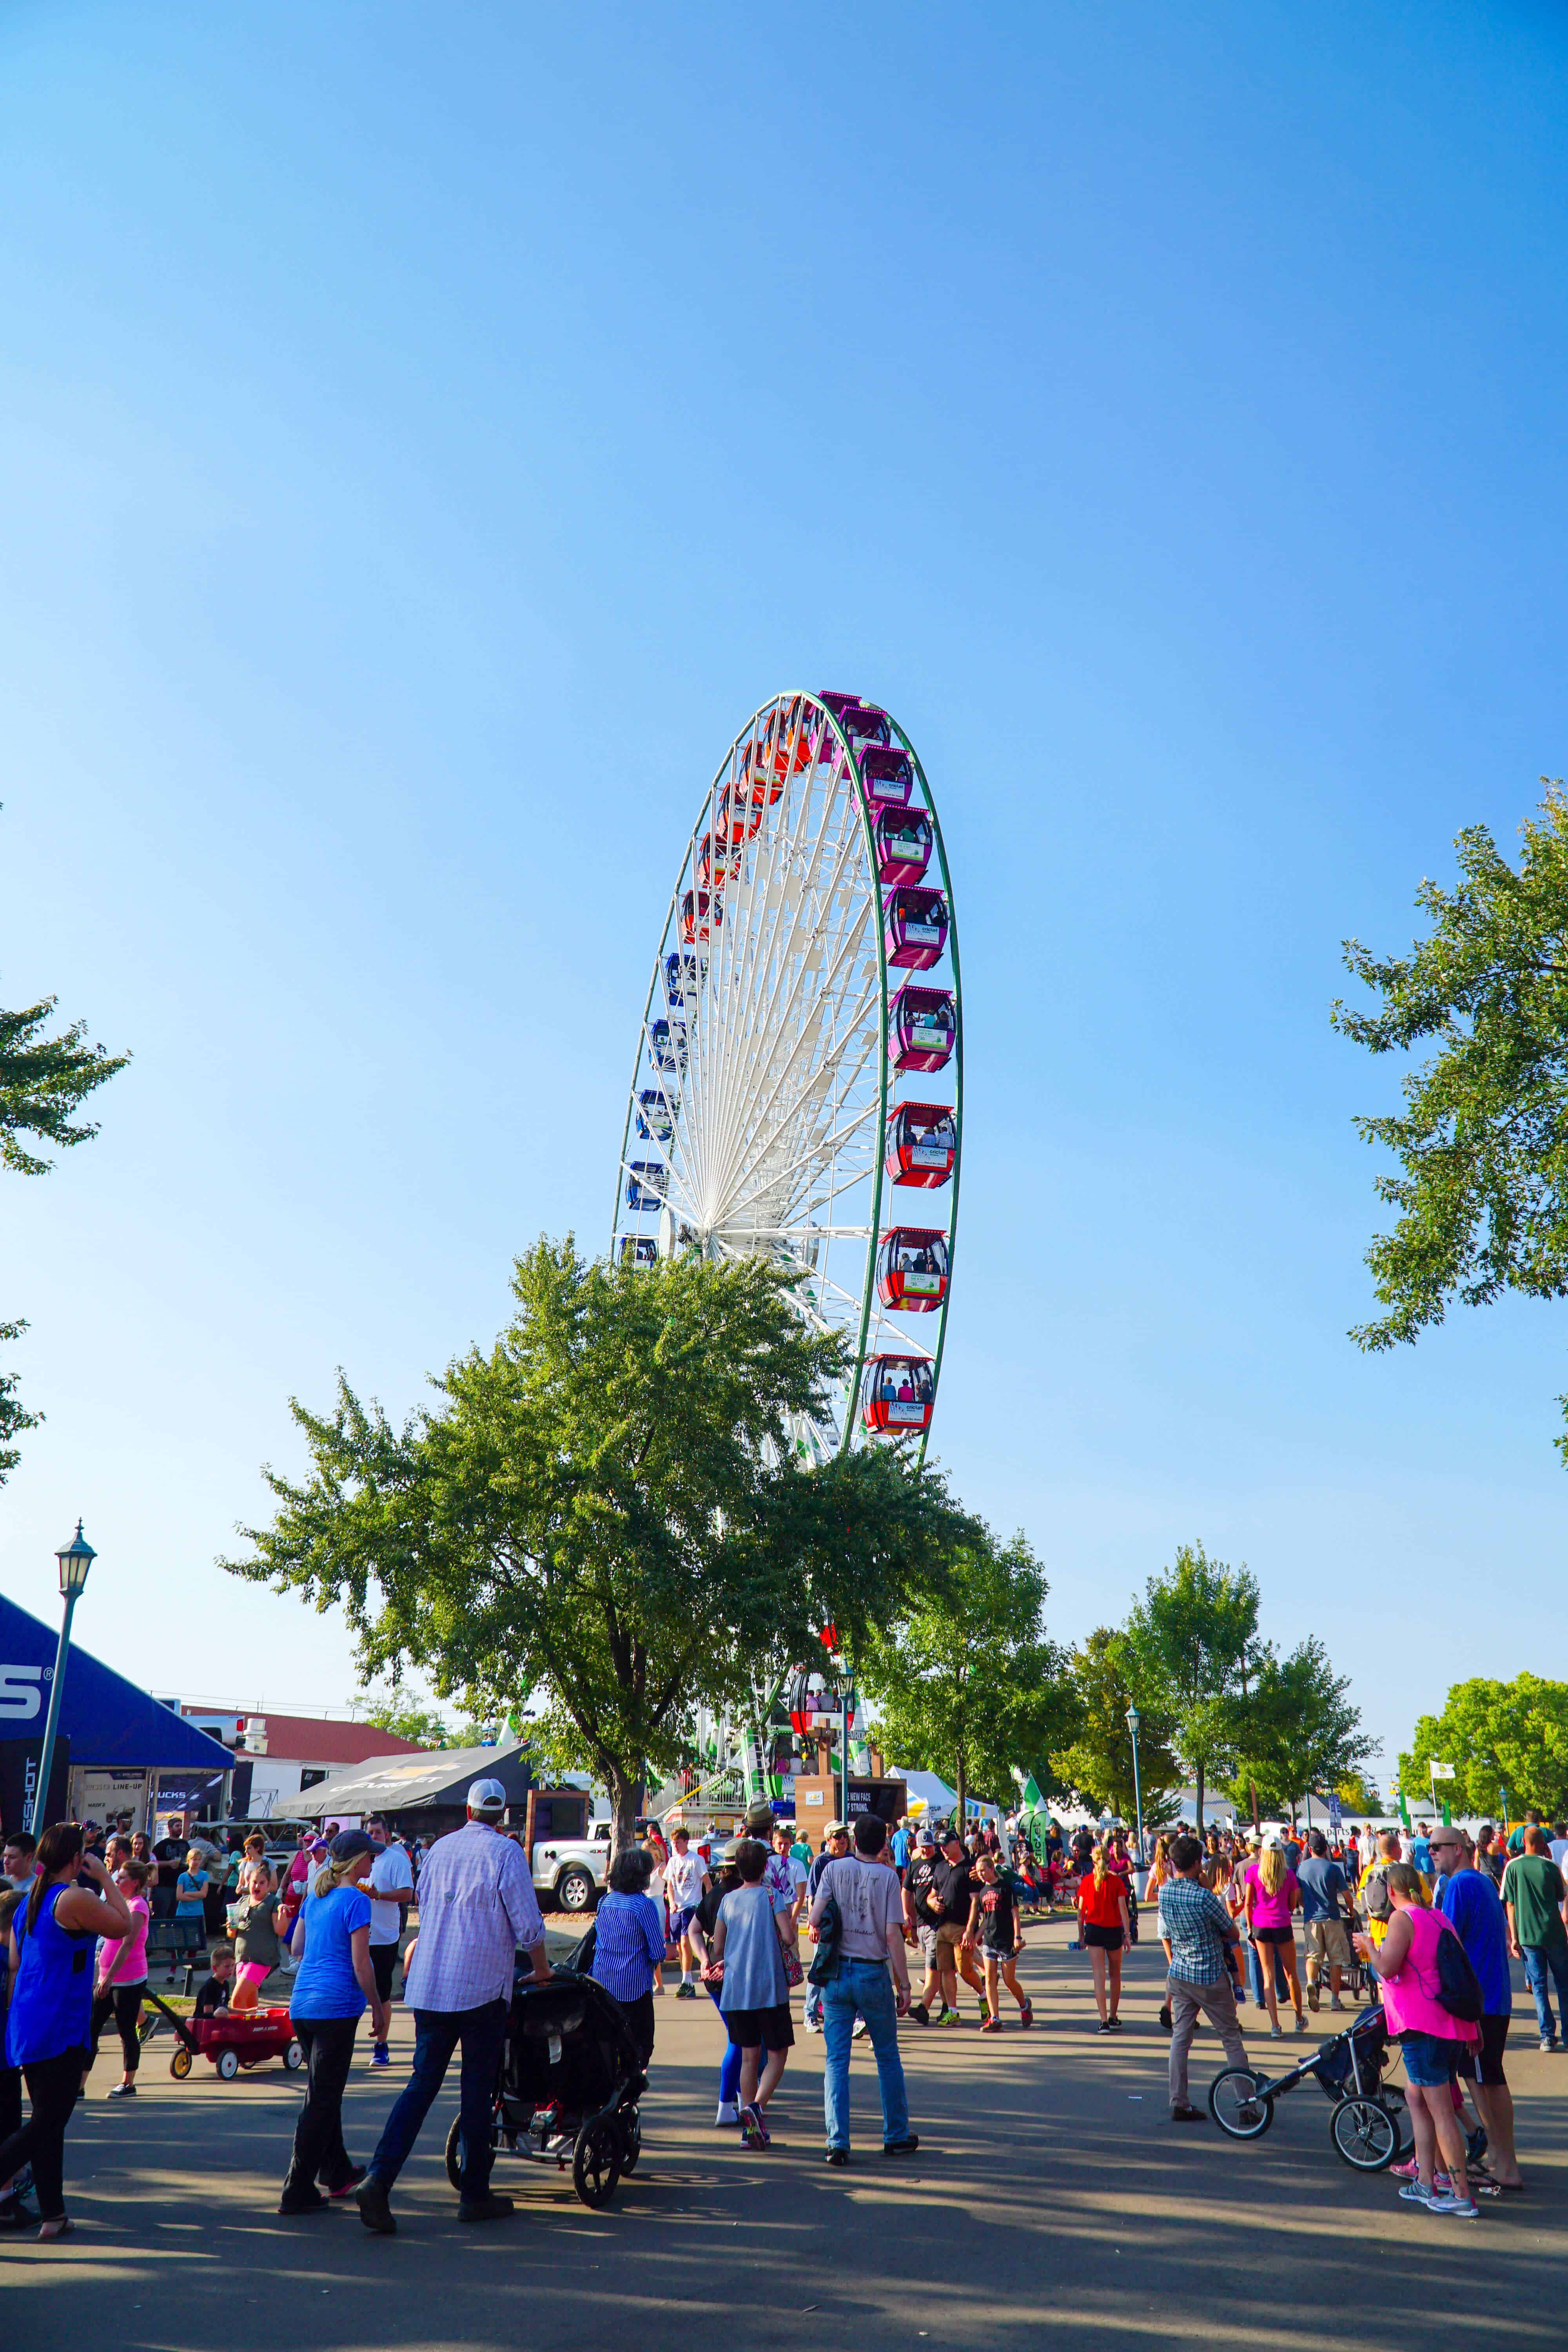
(1298, 1732)
(1098, 1764)
(1189, 1649)
(604, 1511)
(44, 1081)
(1481, 1146)
(964, 1681)
(1497, 1735)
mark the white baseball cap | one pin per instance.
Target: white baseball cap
(486, 1797)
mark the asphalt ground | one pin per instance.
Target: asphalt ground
(1051, 2199)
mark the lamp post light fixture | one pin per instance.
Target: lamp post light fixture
(1132, 1722)
(75, 1558)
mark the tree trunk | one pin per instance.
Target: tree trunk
(623, 1793)
(961, 1783)
(1256, 1817)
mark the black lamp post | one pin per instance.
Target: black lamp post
(75, 1558)
(1133, 1721)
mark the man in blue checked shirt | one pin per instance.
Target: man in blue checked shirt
(477, 1908)
(1196, 1928)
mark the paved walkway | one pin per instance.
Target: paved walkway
(1051, 2197)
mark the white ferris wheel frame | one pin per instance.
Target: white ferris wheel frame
(781, 1110)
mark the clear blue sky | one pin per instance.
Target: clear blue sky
(429, 432)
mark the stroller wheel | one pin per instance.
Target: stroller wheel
(455, 2154)
(596, 2164)
(631, 2139)
(1364, 2133)
(1240, 2105)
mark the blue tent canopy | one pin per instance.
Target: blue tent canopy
(108, 1721)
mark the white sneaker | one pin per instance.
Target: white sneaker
(729, 2112)
(860, 2032)
(1336, 2002)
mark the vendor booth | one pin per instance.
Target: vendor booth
(130, 1757)
(422, 1795)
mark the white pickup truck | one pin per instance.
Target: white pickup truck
(569, 1874)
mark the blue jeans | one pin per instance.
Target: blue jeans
(1538, 1959)
(438, 2032)
(1254, 1972)
(863, 1989)
(729, 2071)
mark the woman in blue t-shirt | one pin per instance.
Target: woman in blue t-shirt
(334, 1986)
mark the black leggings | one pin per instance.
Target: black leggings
(319, 2151)
(123, 2003)
(52, 2085)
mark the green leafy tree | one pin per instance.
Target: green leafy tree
(1481, 1146)
(44, 1081)
(602, 1515)
(1497, 1735)
(1191, 1644)
(965, 1682)
(1097, 1763)
(1296, 1731)
(425, 1726)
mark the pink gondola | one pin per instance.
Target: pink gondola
(904, 839)
(914, 927)
(922, 1028)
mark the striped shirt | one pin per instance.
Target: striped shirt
(628, 1943)
(1193, 1921)
(477, 1905)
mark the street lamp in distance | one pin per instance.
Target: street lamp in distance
(75, 1558)
(1132, 1722)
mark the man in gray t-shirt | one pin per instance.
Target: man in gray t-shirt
(870, 1963)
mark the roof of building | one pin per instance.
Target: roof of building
(313, 1739)
(397, 1784)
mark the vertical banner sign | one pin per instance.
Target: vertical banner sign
(1335, 1817)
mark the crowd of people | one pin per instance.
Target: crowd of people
(747, 1922)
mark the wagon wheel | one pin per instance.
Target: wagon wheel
(596, 2164)
(294, 2057)
(180, 2064)
(228, 2065)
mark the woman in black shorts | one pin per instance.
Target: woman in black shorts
(1103, 1917)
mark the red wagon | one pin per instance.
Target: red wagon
(245, 2037)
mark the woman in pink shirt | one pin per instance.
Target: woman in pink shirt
(122, 1978)
(1431, 2038)
(1272, 1896)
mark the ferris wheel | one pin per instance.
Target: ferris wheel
(798, 1090)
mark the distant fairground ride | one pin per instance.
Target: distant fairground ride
(804, 1003)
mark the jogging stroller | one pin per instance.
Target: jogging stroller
(1368, 2125)
(570, 2076)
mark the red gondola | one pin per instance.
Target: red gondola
(904, 843)
(912, 1269)
(734, 815)
(922, 1143)
(700, 910)
(896, 1393)
(922, 1028)
(914, 927)
(721, 855)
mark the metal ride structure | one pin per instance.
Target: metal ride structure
(803, 1015)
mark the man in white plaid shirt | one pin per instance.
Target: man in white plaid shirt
(477, 1908)
(1196, 1928)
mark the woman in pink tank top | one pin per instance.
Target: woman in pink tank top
(1430, 2036)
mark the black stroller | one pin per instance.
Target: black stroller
(570, 2077)
(1368, 2125)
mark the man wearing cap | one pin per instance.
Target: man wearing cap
(920, 1920)
(477, 1907)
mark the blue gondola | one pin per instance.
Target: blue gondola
(647, 1184)
(682, 977)
(655, 1115)
(638, 1249)
(667, 1045)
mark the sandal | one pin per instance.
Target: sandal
(54, 2228)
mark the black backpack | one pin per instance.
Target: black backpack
(1458, 1987)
